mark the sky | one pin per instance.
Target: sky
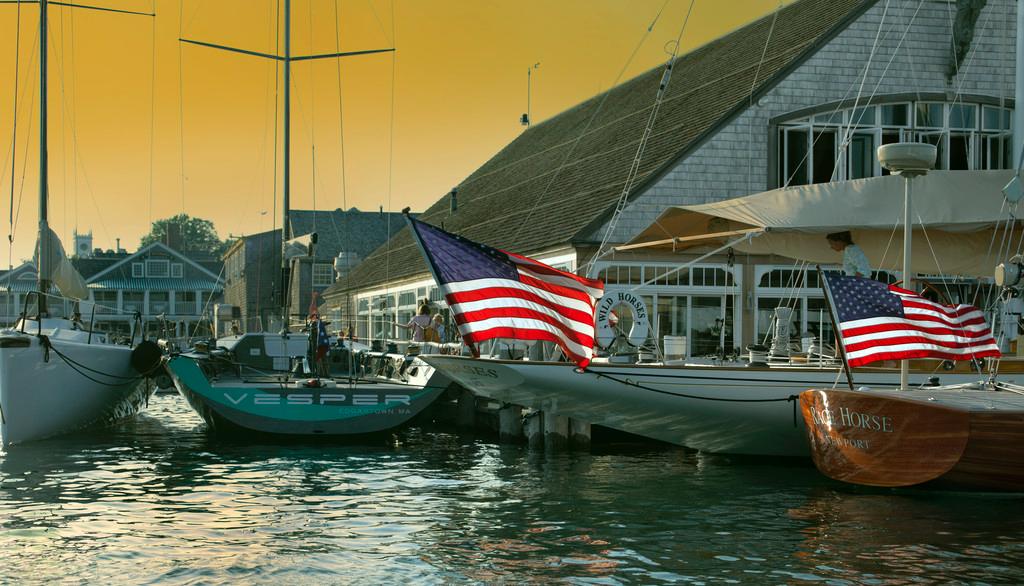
(143, 127)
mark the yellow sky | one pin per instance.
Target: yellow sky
(127, 147)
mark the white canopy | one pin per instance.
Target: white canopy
(956, 215)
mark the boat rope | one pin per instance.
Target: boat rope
(78, 367)
(625, 381)
(634, 168)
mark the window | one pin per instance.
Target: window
(138, 270)
(929, 115)
(106, 301)
(158, 268)
(133, 301)
(323, 274)
(185, 303)
(159, 302)
(407, 298)
(822, 148)
(177, 270)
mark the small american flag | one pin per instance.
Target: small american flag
(884, 322)
(497, 294)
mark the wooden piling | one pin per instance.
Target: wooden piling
(556, 432)
(579, 434)
(510, 424)
(466, 412)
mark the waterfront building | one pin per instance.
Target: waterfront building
(169, 289)
(803, 95)
(252, 265)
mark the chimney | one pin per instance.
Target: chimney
(453, 201)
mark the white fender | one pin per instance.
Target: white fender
(604, 320)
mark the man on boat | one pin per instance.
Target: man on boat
(855, 262)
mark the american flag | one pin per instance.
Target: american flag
(497, 294)
(885, 322)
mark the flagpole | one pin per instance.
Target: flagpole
(430, 265)
(908, 160)
(835, 325)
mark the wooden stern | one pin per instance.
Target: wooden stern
(877, 439)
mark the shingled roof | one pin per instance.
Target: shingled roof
(545, 188)
(351, 230)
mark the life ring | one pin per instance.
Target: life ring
(605, 319)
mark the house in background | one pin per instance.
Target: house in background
(252, 265)
(804, 95)
(164, 286)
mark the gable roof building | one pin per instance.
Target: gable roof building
(253, 263)
(802, 95)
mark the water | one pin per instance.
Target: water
(158, 501)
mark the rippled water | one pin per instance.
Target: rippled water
(157, 500)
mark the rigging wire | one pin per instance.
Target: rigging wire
(31, 124)
(391, 150)
(590, 121)
(750, 99)
(14, 142)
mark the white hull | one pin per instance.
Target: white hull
(41, 398)
(720, 409)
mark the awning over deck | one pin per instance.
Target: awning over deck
(959, 217)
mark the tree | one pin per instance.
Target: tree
(186, 234)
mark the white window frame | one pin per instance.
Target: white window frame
(158, 262)
(177, 270)
(319, 279)
(138, 270)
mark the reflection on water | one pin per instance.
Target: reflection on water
(157, 500)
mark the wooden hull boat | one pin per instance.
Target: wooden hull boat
(732, 409)
(964, 437)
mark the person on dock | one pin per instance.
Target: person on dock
(419, 323)
(855, 262)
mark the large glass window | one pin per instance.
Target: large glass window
(838, 145)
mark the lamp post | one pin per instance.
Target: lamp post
(908, 160)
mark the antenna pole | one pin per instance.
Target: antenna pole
(44, 240)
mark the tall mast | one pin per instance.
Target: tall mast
(287, 58)
(44, 244)
(286, 198)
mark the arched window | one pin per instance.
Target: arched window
(839, 143)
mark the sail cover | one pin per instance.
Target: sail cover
(56, 267)
(956, 214)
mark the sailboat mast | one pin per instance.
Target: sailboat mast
(286, 199)
(42, 268)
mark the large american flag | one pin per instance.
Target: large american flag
(497, 294)
(885, 322)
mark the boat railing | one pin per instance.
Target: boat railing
(71, 309)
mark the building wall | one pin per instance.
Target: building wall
(736, 160)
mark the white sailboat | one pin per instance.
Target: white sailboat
(56, 375)
(747, 408)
